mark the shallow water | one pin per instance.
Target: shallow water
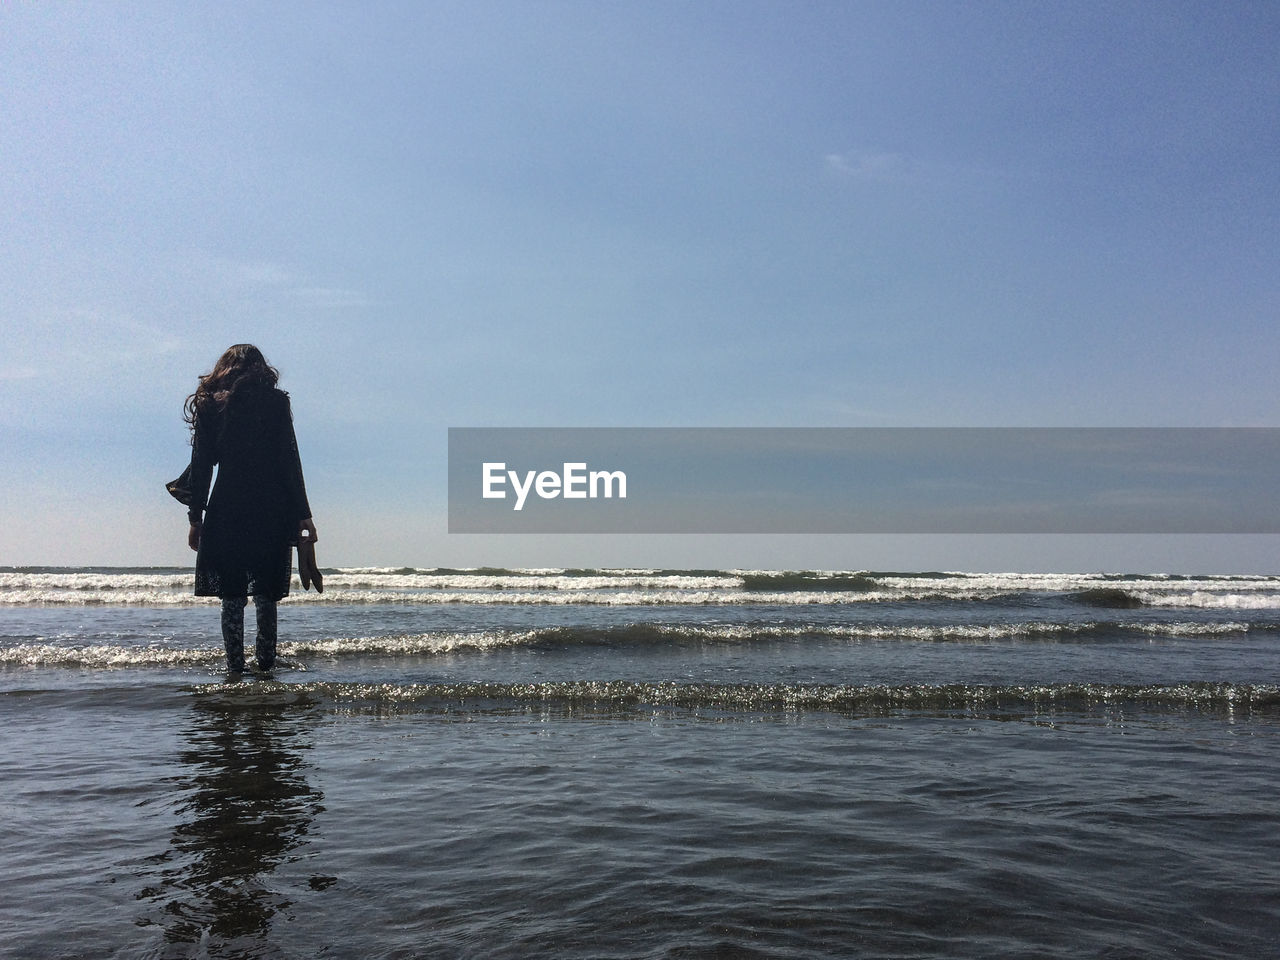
(1008, 775)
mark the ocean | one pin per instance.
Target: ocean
(497, 763)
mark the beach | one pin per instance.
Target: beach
(644, 763)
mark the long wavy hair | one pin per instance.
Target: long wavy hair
(240, 366)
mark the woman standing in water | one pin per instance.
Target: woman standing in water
(241, 421)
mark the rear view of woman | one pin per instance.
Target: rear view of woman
(244, 531)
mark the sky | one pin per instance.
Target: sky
(660, 214)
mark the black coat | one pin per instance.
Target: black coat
(252, 516)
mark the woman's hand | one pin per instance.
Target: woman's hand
(309, 528)
(193, 535)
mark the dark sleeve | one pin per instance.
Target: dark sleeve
(204, 454)
(291, 469)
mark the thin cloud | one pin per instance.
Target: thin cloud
(90, 338)
(871, 165)
(227, 273)
(332, 297)
(19, 373)
(260, 278)
(260, 274)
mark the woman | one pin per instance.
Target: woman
(242, 422)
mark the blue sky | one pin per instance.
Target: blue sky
(623, 214)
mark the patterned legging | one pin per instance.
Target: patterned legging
(233, 631)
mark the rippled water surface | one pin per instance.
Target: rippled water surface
(654, 765)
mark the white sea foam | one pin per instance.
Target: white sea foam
(523, 582)
(621, 587)
(1209, 600)
(103, 655)
(296, 653)
(1065, 582)
(138, 598)
(405, 644)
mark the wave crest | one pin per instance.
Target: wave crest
(628, 696)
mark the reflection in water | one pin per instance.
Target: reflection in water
(247, 807)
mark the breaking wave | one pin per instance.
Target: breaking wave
(296, 653)
(625, 696)
(631, 588)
